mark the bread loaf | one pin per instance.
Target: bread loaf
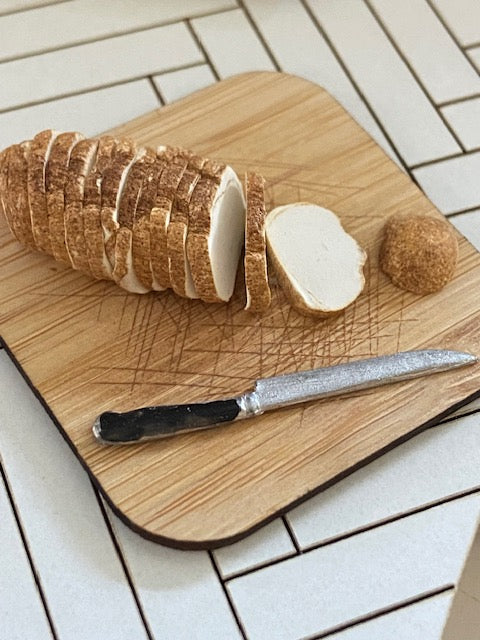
(166, 218)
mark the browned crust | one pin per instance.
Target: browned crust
(4, 162)
(81, 159)
(92, 202)
(160, 219)
(37, 161)
(419, 252)
(177, 228)
(141, 248)
(18, 195)
(176, 242)
(127, 212)
(5, 196)
(199, 222)
(259, 296)
(199, 258)
(123, 155)
(56, 173)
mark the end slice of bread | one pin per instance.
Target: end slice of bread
(216, 234)
(18, 193)
(257, 288)
(318, 264)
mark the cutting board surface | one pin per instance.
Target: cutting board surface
(87, 346)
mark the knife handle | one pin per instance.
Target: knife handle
(162, 421)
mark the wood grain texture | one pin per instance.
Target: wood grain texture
(87, 346)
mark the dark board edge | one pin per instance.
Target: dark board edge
(202, 545)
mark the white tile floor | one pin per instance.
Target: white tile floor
(377, 555)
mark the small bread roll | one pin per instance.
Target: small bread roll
(419, 253)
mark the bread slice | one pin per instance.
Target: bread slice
(96, 262)
(82, 159)
(113, 183)
(17, 194)
(258, 291)
(141, 249)
(56, 171)
(175, 165)
(216, 232)
(178, 263)
(124, 272)
(40, 149)
(318, 264)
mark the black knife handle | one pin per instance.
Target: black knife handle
(162, 421)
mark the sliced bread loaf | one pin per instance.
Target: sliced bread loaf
(82, 159)
(40, 149)
(258, 291)
(318, 264)
(216, 232)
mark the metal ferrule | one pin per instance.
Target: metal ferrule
(249, 404)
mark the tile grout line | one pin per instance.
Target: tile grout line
(467, 47)
(109, 85)
(156, 91)
(259, 34)
(33, 8)
(452, 156)
(123, 562)
(450, 32)
(201, 47)
(412, 71)
(350, 534)
(381, 612)
(28, 553)
(447, 103)
(291, 534)
(110, 36)
(460, 211)
(228, 596)
(356, 87)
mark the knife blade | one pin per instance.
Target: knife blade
(273, 393)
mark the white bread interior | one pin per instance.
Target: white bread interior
(319, 265)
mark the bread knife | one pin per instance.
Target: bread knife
(273, 393)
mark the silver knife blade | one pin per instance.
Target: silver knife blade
(281, 391)
(271, 393)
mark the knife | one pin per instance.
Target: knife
(272, 393)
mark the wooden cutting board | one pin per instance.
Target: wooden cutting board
(88, 346)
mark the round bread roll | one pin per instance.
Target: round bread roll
(419, 252)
